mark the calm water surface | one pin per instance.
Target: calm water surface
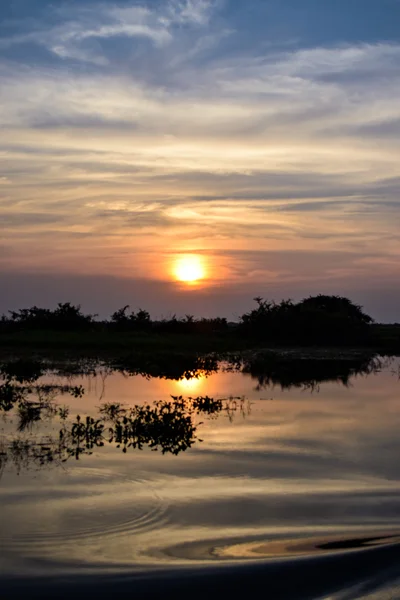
(280, 475)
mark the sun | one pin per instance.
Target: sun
(189, 268)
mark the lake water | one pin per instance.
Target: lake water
(301, 482)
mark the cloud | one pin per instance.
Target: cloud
(157, 143)
(78, 32)
(190, 11)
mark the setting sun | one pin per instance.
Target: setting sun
(189, 268)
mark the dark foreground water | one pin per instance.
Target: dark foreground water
(287, 493)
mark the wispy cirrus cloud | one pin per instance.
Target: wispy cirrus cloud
(189, 11)
(78, 31)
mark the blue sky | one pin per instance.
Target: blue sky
(262, 136)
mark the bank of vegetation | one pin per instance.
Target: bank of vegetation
(317, 321)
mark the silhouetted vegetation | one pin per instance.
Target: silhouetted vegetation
(65, 317)
(139, 321)
(320, 320)
(315, 320)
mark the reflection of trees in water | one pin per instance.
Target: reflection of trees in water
(168, 426)
(169, 366)
(34, 403)
(22, 370)
(173, 366)
(270, 370)
(24, 454)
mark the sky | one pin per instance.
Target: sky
(261, 137)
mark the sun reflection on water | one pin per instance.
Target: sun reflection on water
(194, 384)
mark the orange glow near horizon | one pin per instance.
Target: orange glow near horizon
(189, 268)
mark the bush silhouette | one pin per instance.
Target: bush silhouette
(140, 321)
(326, 319)
(65, 317)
